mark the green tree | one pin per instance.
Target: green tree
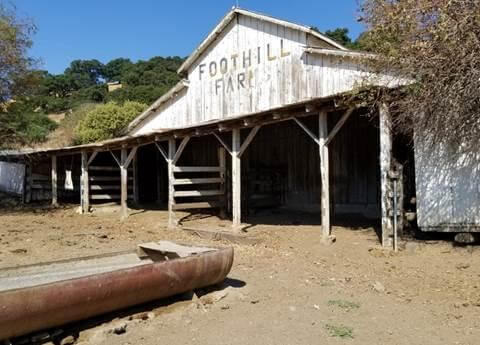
(106, 121)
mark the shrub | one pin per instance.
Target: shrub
(106, 121)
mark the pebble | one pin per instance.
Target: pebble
(68, 340)
(379, 287)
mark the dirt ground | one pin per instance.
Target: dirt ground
(288, 288)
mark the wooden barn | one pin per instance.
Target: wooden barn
(267, 115)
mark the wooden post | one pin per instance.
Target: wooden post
(135, 181)
(172, 147)
(385, 165)
(236, 179)
(28, 183)
(221, 164)
(123, 184)
(324, 166)
(54, 182)
(84, 196)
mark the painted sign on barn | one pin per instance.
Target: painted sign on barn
(252, 63)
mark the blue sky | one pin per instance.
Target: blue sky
(141, 29)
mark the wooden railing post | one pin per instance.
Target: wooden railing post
(172, 147)
(54, 182)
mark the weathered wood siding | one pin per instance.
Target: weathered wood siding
(286, 148)
(253, 66)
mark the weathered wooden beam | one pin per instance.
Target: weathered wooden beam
(191, 193)
(236, 180)
(123, 184)
(136, 190)
(129, 158)
(385, 167)
(180, 149)
(339, 125)
(84, 197)
(196, 169)
(222, 164)
(172, 222)
(248, 140)
(223, 143)
(116, 159)
(162, 151)
(306, 130)
(92, 157)
(189, 181)
(198, 205)
(54, 182)
(324, 169)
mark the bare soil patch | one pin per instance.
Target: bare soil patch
(288, 288)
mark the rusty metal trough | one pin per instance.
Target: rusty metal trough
(46, 295)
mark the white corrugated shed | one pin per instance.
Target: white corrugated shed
(12, 178)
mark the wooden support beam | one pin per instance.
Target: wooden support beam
(191, 181)
(129, 158)
(92, 157)
(223, 143)
(222, 164)
(162, 151)
(236, 180)
(192, 193)
(196, 169)
(136, 195)
(54, 182)
(172, 222)
(324, 169)
(116, 159)
(306, 130)
(123, 184)
(179, 152)
(248, 140)
(339, 125)
(385, 167)
(84, 181)
(198, 205)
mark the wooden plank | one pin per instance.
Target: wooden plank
(222, 164)
(338, 126)
(107, 178)
(324, 169)
(172, 222)
(115, 158)
(84, 199)
(108, 197)
(188, 181)
(123, 184)
(236, 179)
(223, 143)
(92, 157)
(385, 166)
(199, 205)
(38, 177)
(197, 169)
(179, 152)
(136, 191)
(104, 168)
(130, 156)
(97, 187)
(248, 140)
(161, 150)
(187, 193)
(306, 130)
